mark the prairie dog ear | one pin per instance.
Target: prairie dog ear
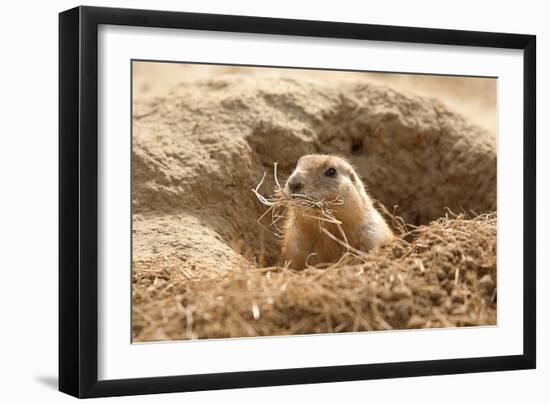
(358, 182)
(354, 178)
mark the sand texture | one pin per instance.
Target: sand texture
(198, 251)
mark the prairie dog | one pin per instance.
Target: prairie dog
(328, 178)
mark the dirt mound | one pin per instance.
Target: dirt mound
(198, 151)
(445, 277)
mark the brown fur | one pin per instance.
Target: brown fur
(304, 243)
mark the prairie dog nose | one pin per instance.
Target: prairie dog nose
(294, 185)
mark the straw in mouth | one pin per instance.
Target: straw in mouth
(280, 202)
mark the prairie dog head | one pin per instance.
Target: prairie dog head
(326, 178)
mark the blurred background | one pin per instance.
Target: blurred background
(473, 97)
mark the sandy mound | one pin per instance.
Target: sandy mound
(200, 150)
(474, 97)
(445, 277)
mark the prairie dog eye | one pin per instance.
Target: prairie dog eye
(331, 172)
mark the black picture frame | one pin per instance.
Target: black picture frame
(78, 201)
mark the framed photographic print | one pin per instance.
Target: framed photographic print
(251, 201)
